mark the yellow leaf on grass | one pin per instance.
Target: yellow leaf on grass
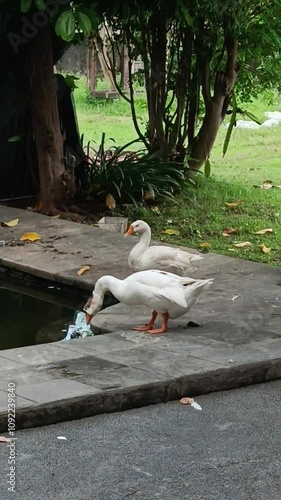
(30, 237)
(264, 249)
(229, 231)
(205, 244)
(234, 204)
(171, 232)
(83, 270)
(110, 201)
(264, 231)
(243, 244)
(3, 439)
(12, 223)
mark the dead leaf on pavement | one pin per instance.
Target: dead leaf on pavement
(205, 244)
(229, 231)
(83, 270)
(190, 401)
(130, 492)
(171, 232)
(243, 244)
(264, 249)
(3, 439)
(264, 231)
(234, 204)
(110, 202)
(186, 401)
(30, 237)
(12, 223)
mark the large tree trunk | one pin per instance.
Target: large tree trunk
(45, 121)
(215, 106)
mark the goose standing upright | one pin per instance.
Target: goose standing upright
(165, 293)
(143, 257)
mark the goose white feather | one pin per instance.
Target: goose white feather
(144, 257)
(165, 293)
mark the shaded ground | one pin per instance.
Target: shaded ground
(228, 451)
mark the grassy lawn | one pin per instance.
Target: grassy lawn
(199, 215)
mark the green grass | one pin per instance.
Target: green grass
(199, 213)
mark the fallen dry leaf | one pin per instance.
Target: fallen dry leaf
(30, 237)
(264, 249)
(12, 223)
(147, 195)
(229, 231)
(83, 270)
(205, 244)
(3, 439)
(55, 216)
(171, 232)
(234, 204)
(110, 201)
(190, 401)
(186, 401)
(264, 231)
(243, 244)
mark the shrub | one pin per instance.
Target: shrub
(132, 176)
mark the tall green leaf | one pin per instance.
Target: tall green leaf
(207, 168)
(231, 125)
(252, 117)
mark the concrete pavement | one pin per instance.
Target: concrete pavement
(228, 451)
(238, 341)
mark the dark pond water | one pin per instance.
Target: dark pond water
(30, 316)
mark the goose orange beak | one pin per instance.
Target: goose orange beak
(88, 318)
(130, 231)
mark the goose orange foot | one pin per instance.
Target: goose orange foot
(148, 326)
(163, 328)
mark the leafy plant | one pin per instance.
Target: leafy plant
(132, 176)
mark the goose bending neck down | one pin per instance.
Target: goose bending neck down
(143, 257)
(165, 293)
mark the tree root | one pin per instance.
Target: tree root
(63, 212)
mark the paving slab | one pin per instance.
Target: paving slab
(237, 342)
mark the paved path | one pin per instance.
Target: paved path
(238, 342)
(228, 451)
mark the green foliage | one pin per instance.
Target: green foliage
(65, 25)
(231, 125)
(132, 176)
(25, 5)
(207, 169)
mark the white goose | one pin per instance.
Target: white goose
(143, 257)
(165, 293)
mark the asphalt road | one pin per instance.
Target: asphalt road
(231, 450)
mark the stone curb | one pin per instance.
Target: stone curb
(145, 394)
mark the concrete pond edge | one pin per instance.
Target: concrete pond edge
(122, 399)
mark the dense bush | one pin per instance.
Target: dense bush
(132, 176)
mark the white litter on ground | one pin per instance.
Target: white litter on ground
(273, 119)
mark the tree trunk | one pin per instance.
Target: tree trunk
(206, 137)
(45, 120)
(215, 106)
